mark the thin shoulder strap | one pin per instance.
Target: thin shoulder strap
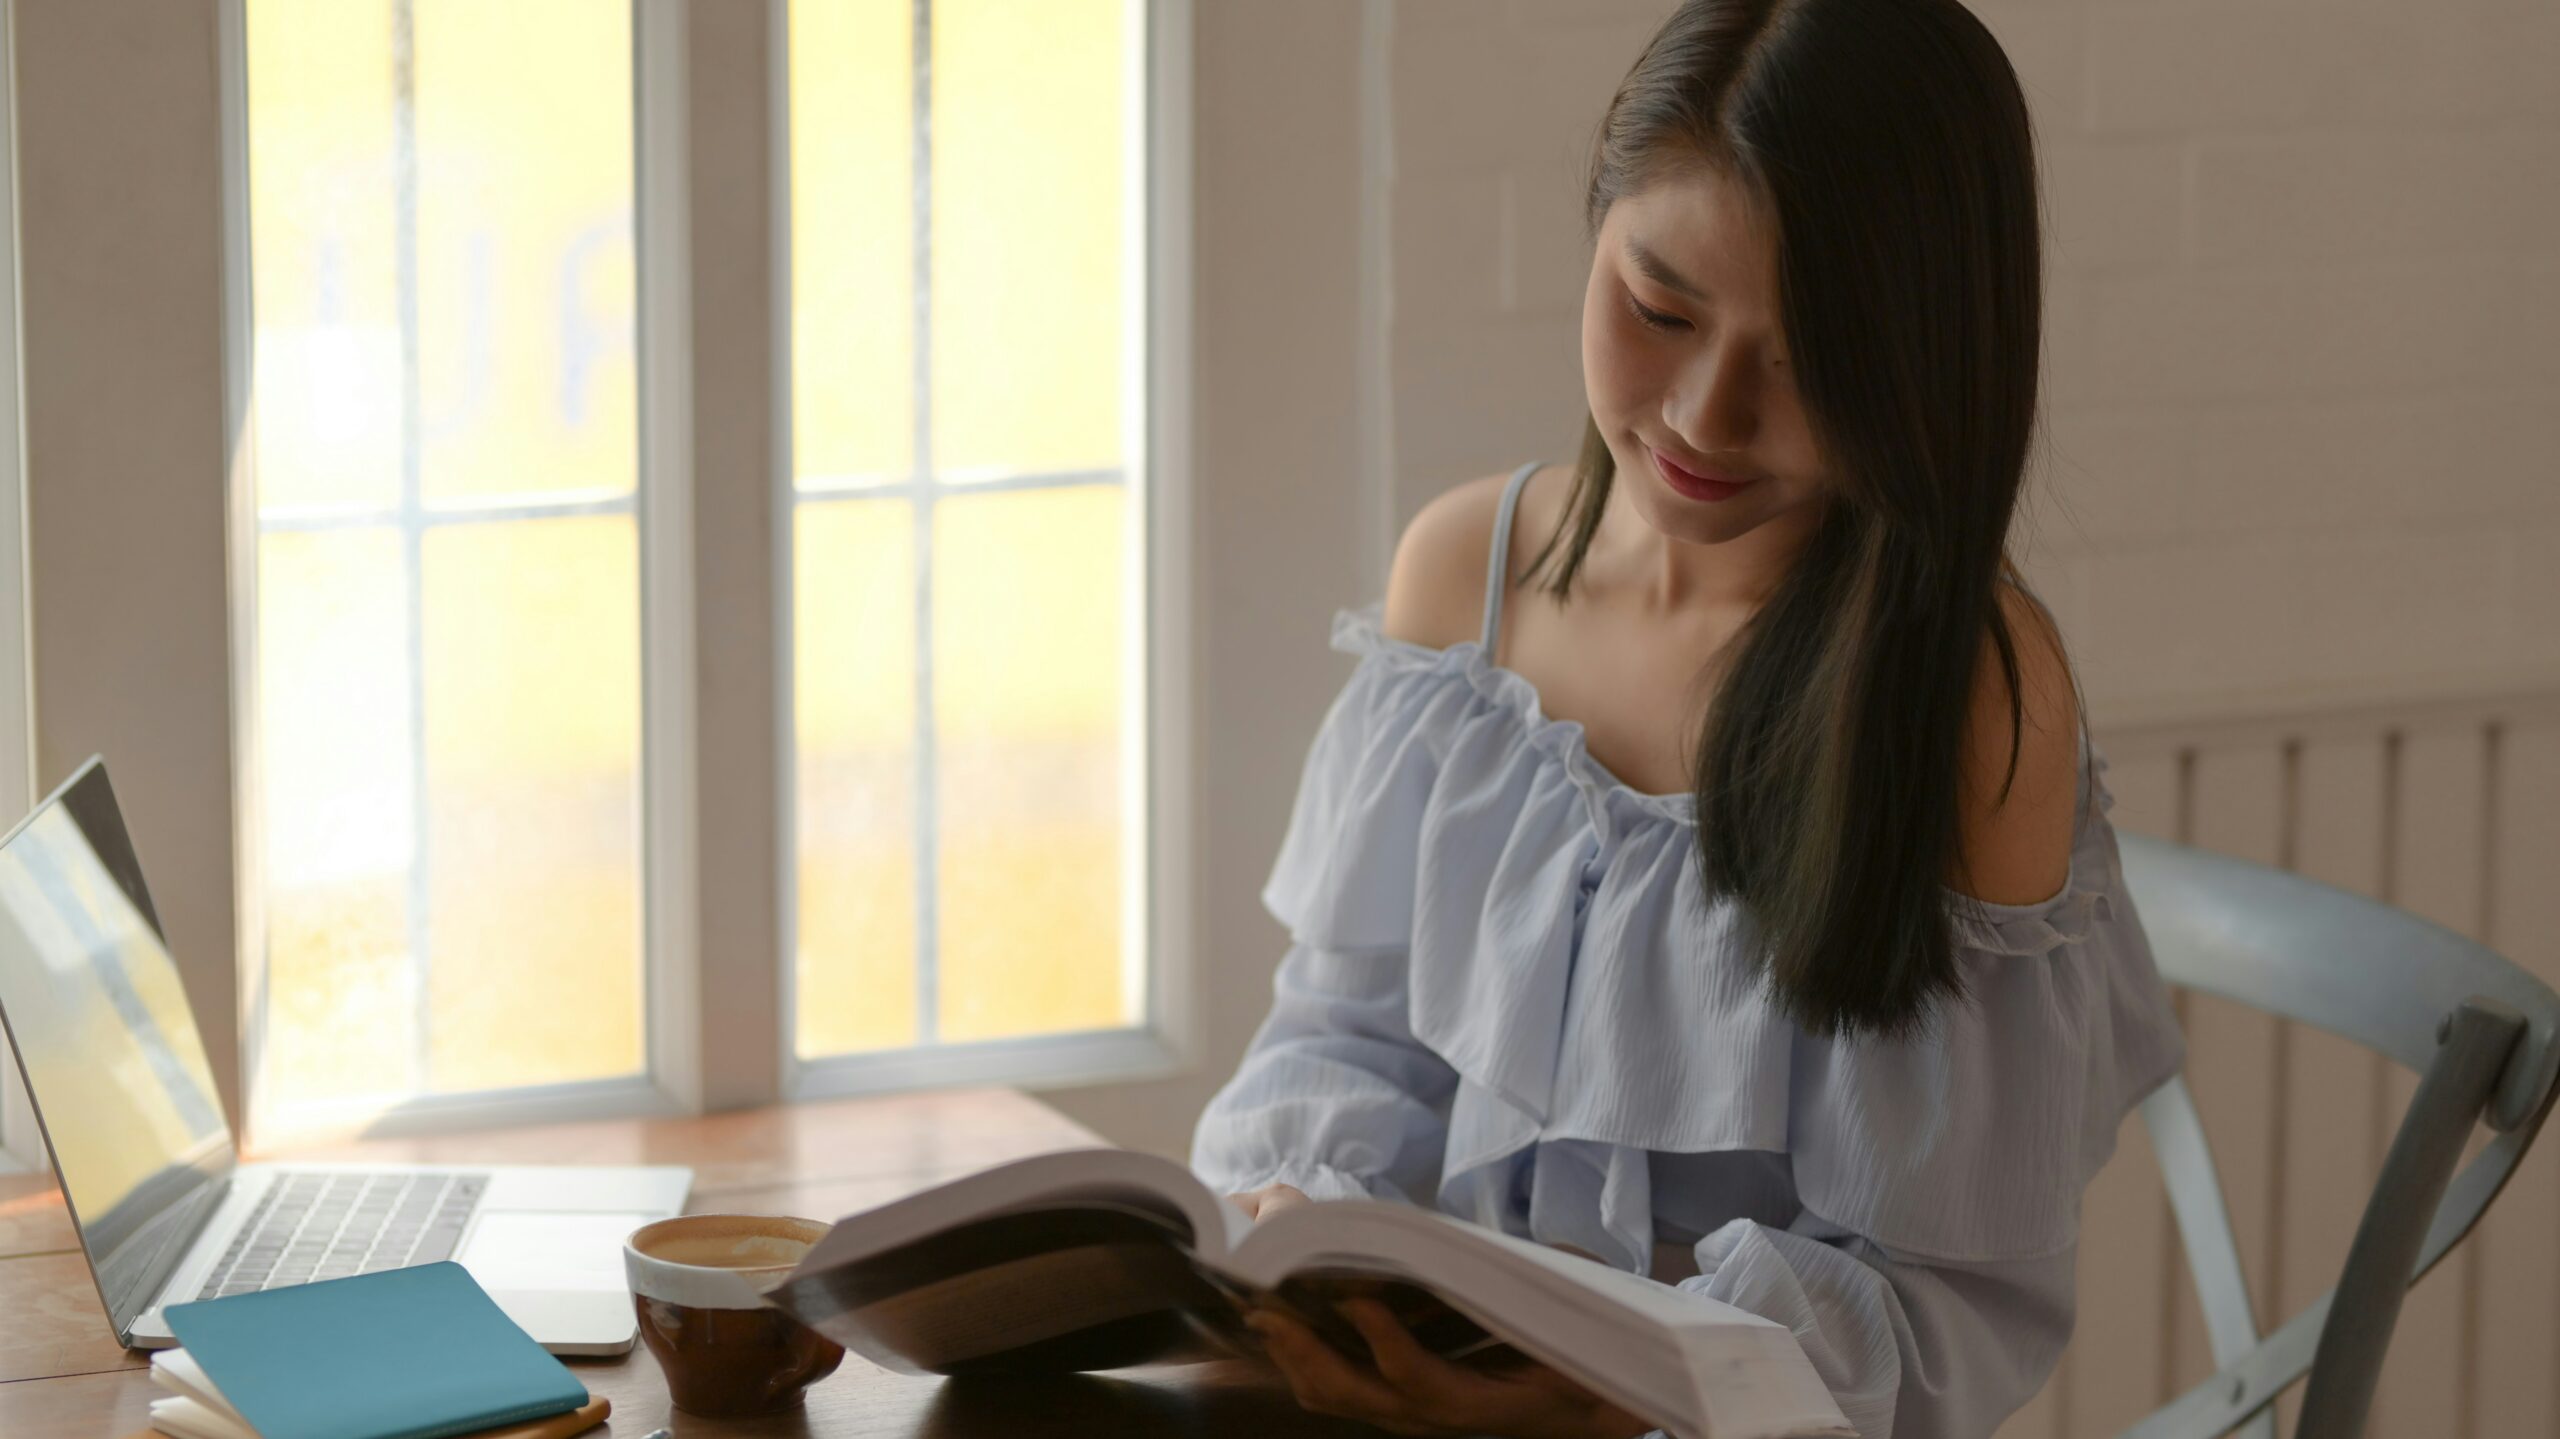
(1497, 567)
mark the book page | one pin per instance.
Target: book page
(177, 1371)
(1106, 1178)
(191, 1419)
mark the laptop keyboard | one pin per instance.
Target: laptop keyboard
(328, 1226)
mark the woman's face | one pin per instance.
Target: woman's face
(1686, 368)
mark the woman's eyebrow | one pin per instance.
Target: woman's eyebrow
(1659, 270)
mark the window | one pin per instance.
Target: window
(473, 617)
(448, 600)
(967, 331)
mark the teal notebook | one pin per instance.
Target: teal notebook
(400, 1354)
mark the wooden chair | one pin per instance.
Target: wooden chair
(2484, 1037)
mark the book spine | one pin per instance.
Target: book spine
(542, 1409)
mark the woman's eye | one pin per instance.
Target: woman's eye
(1654, 319)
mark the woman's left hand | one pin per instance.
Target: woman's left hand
(1413, 1391)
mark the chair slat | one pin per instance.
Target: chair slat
(2358, 969)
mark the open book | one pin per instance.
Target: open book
(1102, 1258)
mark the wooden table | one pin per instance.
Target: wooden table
(63, 1376)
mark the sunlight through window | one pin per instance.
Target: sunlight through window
(448, 618)
(964, 530)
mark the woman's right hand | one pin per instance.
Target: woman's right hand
(1262, 1203)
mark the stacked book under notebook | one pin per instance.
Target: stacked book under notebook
(418, 1353)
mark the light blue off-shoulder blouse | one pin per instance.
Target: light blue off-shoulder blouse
(1506, 997)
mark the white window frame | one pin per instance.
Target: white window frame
(741, 1050)
(21, 1143)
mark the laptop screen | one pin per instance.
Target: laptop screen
(102, 1028)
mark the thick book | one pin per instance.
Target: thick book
(416, 1353)
(1104, 1258)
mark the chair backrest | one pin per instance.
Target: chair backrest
(2483, 1034)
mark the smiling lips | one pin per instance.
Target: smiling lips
(1692, 484)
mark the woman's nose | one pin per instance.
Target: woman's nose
(1715, 405)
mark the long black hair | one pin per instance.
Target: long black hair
(1889, 145)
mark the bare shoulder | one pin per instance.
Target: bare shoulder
(1435, 592)
(2017, 845)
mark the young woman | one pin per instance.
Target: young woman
(1706, 866)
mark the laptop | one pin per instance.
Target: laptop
(91, 1001)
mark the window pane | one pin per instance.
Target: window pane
(448, 629)
(322, 260)
(1027, 681)
(533, 753)
(1028, 139)
(852, 263)
(853, 667)
(526, 289)
(333, 696)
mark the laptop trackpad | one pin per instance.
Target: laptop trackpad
(529, 1249)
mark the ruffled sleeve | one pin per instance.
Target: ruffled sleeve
(1910, 1349)
(1335, 1096)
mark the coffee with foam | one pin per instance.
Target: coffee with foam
(698, 1284)
(727, 1251)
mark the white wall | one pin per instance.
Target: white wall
(120, 258)
(2305, 270)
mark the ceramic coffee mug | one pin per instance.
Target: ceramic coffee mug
(697, 1283)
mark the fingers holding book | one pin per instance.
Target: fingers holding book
(1263, 1203)
(1407, 1389)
